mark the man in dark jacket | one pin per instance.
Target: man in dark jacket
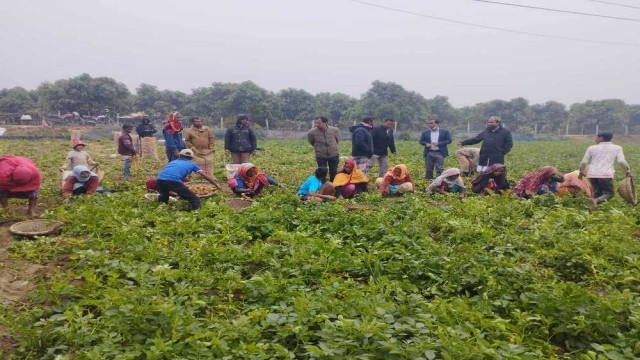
(362, 143)
(496, 143)
(240, 140)
(324, 139)
(382, 137)
(435, 141)
(145, 128)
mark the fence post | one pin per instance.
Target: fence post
(221, 122)
(566, 130)
(468, 128)
(535, 129)
(597, 128)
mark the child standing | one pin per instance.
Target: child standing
(126, 149)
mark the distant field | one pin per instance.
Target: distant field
(415, 278)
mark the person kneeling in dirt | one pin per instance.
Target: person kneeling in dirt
(249, 180)
(82, 181)
(542, 181)
(350, 181)
(169, 179)
(449, 181)
(316, 188)
(19, 179)
(395, 182)
(493, 180)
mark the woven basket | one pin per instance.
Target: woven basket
(38, 227)
(193, 183)
(238, 204)
(627, 190)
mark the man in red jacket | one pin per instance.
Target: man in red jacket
(19, 179)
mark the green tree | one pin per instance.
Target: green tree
(17, 100)
(333, 105)
(550, 116)
(296, 104)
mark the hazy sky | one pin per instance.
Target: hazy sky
(327, 46)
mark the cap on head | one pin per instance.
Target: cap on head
(242, 117)
(186, 153)
(368, 120)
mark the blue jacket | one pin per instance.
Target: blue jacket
(361, 141)
(444, 139)
(173, 142)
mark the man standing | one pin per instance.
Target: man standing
(382, 137)
(170, 178)
(147, 144)
(600, 159)
(200, 139)
(172, 133)
(145, 128)
(126, 149)
(240, 140)
(324, 139)
(362, 143)
(496, 143)
(435, 141)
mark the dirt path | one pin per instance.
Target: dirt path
(17, 279)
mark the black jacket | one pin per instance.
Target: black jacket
(145, 130)
(361, 141)
(495, 145)
(240, 139)
(382, 139)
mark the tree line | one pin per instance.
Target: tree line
(293, 109)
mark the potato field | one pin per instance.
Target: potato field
(416, 277)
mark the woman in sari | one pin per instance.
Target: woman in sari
(395, 182)
(249, 180)
(350, 181)
(573, 185)
(539, 182)
(81, 182)
(449, 181)
(493, 180)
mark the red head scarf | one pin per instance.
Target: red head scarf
(173, 123)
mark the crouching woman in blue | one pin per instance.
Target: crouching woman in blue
(316, 188)
(249, 180)
(170, 179)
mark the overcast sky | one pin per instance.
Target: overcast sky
(328, 46)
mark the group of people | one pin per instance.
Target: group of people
(191, 151)
(371, 145)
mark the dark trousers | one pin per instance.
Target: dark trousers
(433, 159)
(332, 162)
(602, 189)
(171, 156)
(164, 186)
(80, 190)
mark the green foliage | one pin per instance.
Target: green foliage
(417, 278)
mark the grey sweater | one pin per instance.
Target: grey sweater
(324, 142)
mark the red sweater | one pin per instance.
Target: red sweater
(91, 185)
(19, 174)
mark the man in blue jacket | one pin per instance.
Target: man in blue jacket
(435, 141)
(362, 143)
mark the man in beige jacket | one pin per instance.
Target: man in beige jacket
(200, 139)
(325, 139)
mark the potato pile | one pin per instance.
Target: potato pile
(201, 189)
